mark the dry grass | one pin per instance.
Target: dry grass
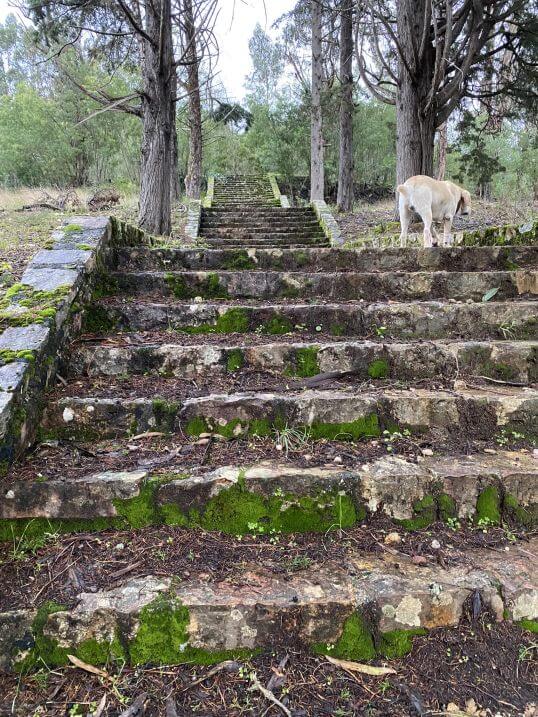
(23, 233)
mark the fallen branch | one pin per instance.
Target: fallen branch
(88, 668)
(257, 685)
(170, 705)
(228, 665)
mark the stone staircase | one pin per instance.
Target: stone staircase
(268, 387)
(244, 211)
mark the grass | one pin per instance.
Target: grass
(24, 233)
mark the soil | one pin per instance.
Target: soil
(493, 664)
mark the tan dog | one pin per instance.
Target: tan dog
(434, 201)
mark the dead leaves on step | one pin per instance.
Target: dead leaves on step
(360, 667)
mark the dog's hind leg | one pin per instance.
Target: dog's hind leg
(447, 231)
(405, 220)
(427, 219)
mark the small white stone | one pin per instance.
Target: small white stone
(490, 450)
(68, 415)
(393, 539)
(198, 300)
(10, 494)
(90, 409)
(307, 457)
(436, 545)
(427, 452)
(119, 546)
(337, 459)
(279, 447)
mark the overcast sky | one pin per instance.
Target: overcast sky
(234, 28)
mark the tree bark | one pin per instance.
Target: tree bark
(158, 71)
(415, 127)
(317, 170)
(194, 165)
(344, 198)
(175, 185)
(443, 146)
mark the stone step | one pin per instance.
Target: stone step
(500, 360)
(451, 487)
(367, 606)
(417, 320)
(470, 413)
(257, 234)
(340, 286)
(330, 259)
(264, 243)
(256, 212)
(274, 224)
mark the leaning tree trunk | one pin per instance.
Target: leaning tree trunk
(194, 165)
(317, 171)
(415, 127)
(344, 198)
(157, 119)
(175, 185)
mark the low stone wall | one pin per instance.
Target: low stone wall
(282, 198)
(328, 222)
(38, 316)
(194, 217)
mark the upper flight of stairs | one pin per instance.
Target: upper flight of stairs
(264, 337)
(245, 211)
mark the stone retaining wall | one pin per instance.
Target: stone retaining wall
(40, 314)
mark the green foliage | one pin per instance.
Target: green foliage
(488, 506)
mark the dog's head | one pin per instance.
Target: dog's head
(464, 205)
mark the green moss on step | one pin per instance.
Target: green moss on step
(424, 514)
(305, 363)
(97, 320)
(233, 321)
(378, 369)
(195, 426)
(501, 371)
(398, 643)
(178, 287)
(529, 625)
(234, 360)
(140, 511)
(165, 413)
(527, 516)
(337, 330)
(278, 325)
(488, 506)
(9, 356)
(238, 260)
(355, 643)
(163, 637)
(214, 289)
(366, 426)
(72, 228)
(447, 507)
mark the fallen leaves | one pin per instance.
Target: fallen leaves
(360, 667)
(88, 668)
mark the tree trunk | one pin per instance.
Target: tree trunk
(157, 119)
(194, 165)
(443, 146)
(175, 185)
(344, 199)
(415, 127)
(317, 171)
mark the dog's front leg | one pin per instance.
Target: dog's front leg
(447, 231)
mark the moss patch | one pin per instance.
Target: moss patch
(234, 360)
(9, 356)
(163, 638)
(397, 643)
(97, 320)
(378, 369)
(38, 306)
(278, 325)
(424, 514)
(529, 625)
(305, 363)
(488, 506)
(366, 426)
(238, 260)
(165, 413)
(355, 643)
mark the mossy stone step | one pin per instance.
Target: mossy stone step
(282, 498)
(334, 286)
(477, 414)
(370, 607)
(416, 320)
(505, 361)
(330, 259)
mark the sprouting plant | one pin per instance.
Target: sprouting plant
(508, 329)
(525, 651)
(291, 439)
(380, 331)
(453, 523)
(24, 543)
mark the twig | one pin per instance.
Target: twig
(138, 708)
(505, 383)
(257, 685)
(228, 665)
